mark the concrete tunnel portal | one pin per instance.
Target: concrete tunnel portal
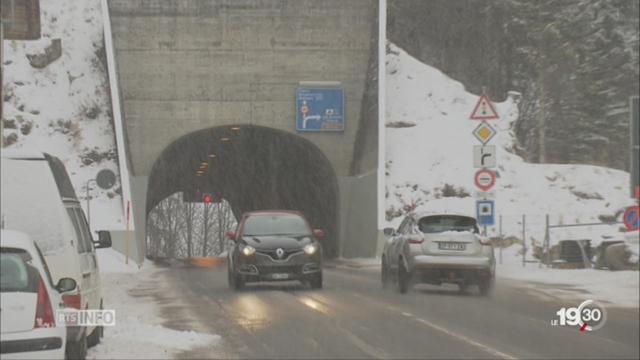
(253, 168)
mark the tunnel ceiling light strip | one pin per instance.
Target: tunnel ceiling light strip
(224, 139)
(212, 155)
(235, 128)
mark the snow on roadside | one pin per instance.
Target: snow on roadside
(429, 162)
(138, 333)
(64, 108)
(617, 288)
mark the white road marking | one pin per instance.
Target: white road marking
(446, 331)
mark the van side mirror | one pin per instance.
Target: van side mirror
(66, 285)
(104, 240)
(389, 231)
(318, 233)
(232, 235)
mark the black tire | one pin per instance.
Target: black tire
(384, 274)
(403, 278)
(316, 281)
(462, 288)
(77, 349)
(97, 334)
(486, 286)
(230, 278)
(238, 282)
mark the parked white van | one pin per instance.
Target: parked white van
(38, 199)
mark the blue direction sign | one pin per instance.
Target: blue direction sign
(485, 212)
(319, 109)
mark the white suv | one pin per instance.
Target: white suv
(437, 249)
(39, 200)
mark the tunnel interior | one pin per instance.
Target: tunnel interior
(253, 168)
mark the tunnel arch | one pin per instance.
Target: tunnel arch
(253, 168)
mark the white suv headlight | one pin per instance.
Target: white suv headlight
(248, 250)
(310, 249)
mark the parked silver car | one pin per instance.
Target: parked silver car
(437, 249)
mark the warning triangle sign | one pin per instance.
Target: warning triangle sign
(484, 110)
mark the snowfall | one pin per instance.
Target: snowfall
(429, 143)
(64, 109)
(139, 333)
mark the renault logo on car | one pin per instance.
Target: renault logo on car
(280, 253)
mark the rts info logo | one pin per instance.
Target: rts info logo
(588, 316)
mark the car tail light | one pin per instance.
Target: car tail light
(72, 301)
(416, 240)
(44, 311)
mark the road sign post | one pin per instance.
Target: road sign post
(484, 157)
(634, 127)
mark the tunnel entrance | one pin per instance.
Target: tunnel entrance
(253, 168)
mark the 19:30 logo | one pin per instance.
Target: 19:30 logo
(588, 316)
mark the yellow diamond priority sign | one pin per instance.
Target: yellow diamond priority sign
(484, 132)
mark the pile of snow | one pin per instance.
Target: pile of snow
(138, 333)
(111, 261)
(430, 146)
(64, 109)
(617, 288)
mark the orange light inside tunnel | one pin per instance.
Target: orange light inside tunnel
(212, 155)
(235, 128)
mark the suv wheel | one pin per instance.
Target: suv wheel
(77, 349)
(462, 288)
(384, 274)
(230, 278)
(486, 286)
(238, 282)
(316, 281)
(98, 333)
(403, 278)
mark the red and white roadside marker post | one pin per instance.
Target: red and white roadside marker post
(128, 235)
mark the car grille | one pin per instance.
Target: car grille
(274, 256)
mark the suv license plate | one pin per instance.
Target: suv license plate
(279, 276)
(451, 246)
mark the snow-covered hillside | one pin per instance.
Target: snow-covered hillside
(64, 108)
(430, 147)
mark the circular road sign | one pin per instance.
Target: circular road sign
(631, 218)
(485, 179)
(106, 179)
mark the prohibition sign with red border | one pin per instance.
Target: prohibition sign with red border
(485, 179)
